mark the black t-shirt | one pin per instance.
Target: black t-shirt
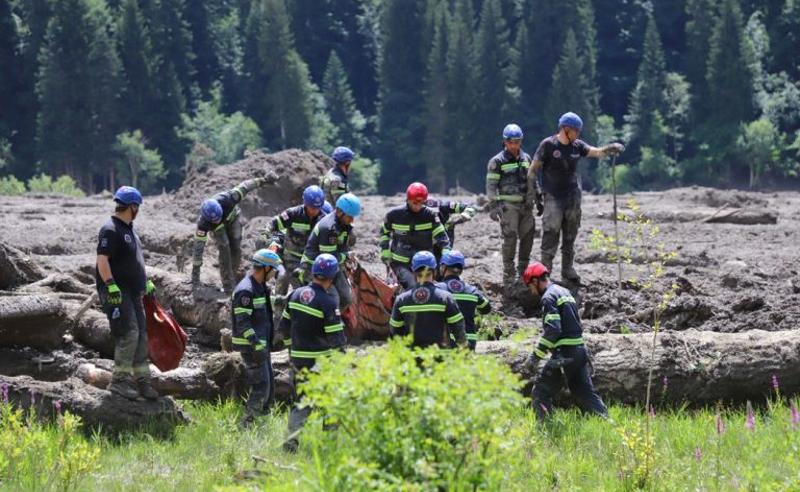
(560, 165)
(124, 250)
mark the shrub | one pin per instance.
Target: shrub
(411, 419)
(67, 186)
(9, 185)
(42, 183)
(364, 175)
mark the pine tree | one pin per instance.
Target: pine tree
(787, 50)
(698, 33)
(171, 39)
(136, 55)
(401, 70)
(437, 144)
(341, 105)
(648, 96)
(199, 15)
(11, 61)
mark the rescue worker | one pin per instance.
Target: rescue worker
(556, 164)
(332, 235)
(326, 208)
(220, 215)
(451, 213)
(470, 299)
(408, 229)
(312, 327)
(428, 313)
(562, 337)
(121, 282)
(253, 329)
(287, 235)
(509, 203)
(334, 183)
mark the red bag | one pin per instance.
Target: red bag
(166, 340)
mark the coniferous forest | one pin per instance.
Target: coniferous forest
(137, 91)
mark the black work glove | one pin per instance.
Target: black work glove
(539, 204)
(532, 363)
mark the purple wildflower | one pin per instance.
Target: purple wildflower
(720, 425)
(5, 393)
(775, 385)
(698, 454)
(57, 405)
(795, 416)
(750, 423)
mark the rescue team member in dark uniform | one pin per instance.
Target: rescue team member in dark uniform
(408, 229)
(287, 235)
(428, 313)
(312, 327)
(252, 330)
(556, 164)
(334, 183)
(220, 215)
(562, 336)
(121, 283)
(451, 213)
(470, 299)
(509, 201)
(332, 235)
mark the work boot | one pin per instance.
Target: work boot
(521, 269)
(567, 270)
(547, 260)
(508, 273)
(124, 387)
(290, 445)
(146, 389)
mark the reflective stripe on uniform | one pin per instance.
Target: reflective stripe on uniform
(400, 258)
(306, 309)
(259, 301)
(472, 337)
(484, 303)
(510, 198)
(438, 230)
(325, 248)
(308, 354)
(565, 299)
(552, 316)
(240, 341)
(301, 227)
(286, 314)
(334, 328)
(198, 237)
(293, 253)
(493, 176)
(395, 323)
(540, 353)
(423, 227)
(401, 227)
(466, 297)
(569, 342)
(241, 310)
(455, 318)
(423, 308)
(248, 332)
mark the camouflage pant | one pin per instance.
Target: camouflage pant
(560, 215)
(129, 329)
(229, 243)
(405, 277)
(282, 283)
(341, 290)
(260, 378)
(517, 226)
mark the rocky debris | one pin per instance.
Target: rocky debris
(92, 331)
(16, 268)
(712, 197)
(34, 321)
(747, 304)
(98, 408)
(699, 367)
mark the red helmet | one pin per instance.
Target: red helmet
(416, 192)
(534, 271)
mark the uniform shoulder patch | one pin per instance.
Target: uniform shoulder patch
(128, 238)
(432, 203)
(104, 242)
(244, 300)
(307, 295)
(557, 154)
(455, 285)
(421, 295)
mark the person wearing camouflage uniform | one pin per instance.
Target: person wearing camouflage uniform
(334, 183)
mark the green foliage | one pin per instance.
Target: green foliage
(341, 105)
(228, 136)
(760, 144)
(625, 178)
(64, 185)
(11, 186)
(425, 418)
(136, 164)
(364, 175)
(42, 183)
(6, 157)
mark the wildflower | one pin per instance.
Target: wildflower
(750, 423)
(775, 385)
(698, 454)
(5, 393)
(795, 416)
(720, 425)
(57, 405)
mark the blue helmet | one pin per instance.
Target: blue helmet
(267, 258)
(313, 197)
(454, 258)
(571, 120)
(326, 208)
(325, 266)
(127, 195)
(342, 154)
(349, 204)
(423, 259)
(211, 210)
(512, 131)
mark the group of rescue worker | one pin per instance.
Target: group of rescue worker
(306, 247)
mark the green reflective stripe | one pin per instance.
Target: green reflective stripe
(546, 343)
(220, 226)
(261, 346)
(327, 248)
(396, 323)
(281, 226)
(423, 227)
(385, 238)
(510, 198)
(301, 227)
(342, 237)
(287, 342)
(306, 309)
(240, 341)
(472, 337)
(552, 316)
(308, 354)
(569, 342)
(540, 353)
(342, 257)
(493, 176)
(385, 253)
(400, 258)
(401, 227)
(241, 310)
(259, 301)
(286, 314)
(306, 259)
(334, 328)
(509, 166)
(438, 230)
(238, 190)
(455, 318)
(248, 332)
(423, 308)
(565, 299)
(198, 237)
(465, 297)
(458, 208)
(484, 303)
(293, 253)
(233, 213)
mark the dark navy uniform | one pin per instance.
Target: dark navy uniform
(405, 233)
(252, 332)
(128, 324)
(331, 236)
(507, 188)
(312, 327)
(334, 184)
(562, 199)
(227, 233)
(563, 337)
(470, 300)
(430, 315)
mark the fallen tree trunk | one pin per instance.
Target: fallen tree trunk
(699, 367)
(33, 321)
(98, 408)
(16, 268)
(92, 330)
(740, 216)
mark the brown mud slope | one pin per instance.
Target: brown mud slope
(736, 269)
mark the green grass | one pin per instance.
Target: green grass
(570, 452)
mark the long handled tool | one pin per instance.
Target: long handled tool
(616, 230)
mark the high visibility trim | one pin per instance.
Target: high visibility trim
(552, 317)
(569, 342)
(385, 253)
(241, 310)
(400, 258)
(546, 343)
(423, 227)
(493, 176)
(306, 259)
(396, 323)
(281, 226)
(466, 297)
(438, 230)
(301, 227)
(296, 254)
(342, 237)
(259, 301)
(307, 309)
(334, 328)
(401, 227)
(220, 226)
(238, 190)
(325, 248)
(510, 198)
(308, 354)
(472, 337)
(423, 308)
(261, 346)
(455, 318)
(240, 341)
(385, 238)
(286, 314)
(287, 342)
(248, 332)
(203, 238)
(540, 353)
(484, 303)
(565, 299)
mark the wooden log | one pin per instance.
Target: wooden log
(33, 321)
(16, 268)
(92, 330)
